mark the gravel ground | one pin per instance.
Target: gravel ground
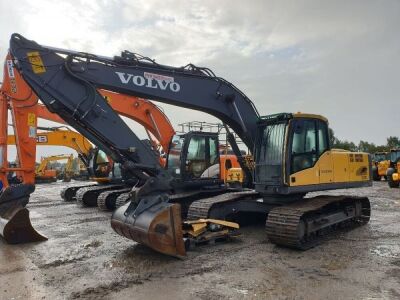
(85, 259)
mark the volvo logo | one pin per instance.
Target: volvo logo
(150, 80)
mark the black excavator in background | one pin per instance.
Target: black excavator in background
(291, 151)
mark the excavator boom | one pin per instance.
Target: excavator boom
(147, 114)
(68, 87)
(62, 137)
(68, 81)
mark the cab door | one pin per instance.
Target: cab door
(310, 156)
(325, 160)
(303, 161)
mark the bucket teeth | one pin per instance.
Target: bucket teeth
(15, 225)
(159, 227)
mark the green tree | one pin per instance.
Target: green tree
(345, 145)
(393, 142)
(365, 146)
(332, 138)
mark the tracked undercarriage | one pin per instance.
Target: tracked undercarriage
(301, 225)
(108, 200)
(87, 196)
(69, 193)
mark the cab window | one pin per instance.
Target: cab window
(214, 155)
(196, 156)
(174, 156)
(309, 141)
(102, 166)
(304, 145)
(323, 137)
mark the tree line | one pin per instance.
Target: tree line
(392, 142)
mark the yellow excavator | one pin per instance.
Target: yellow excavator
(292, 153)
(380, 165)
(392, 172)
(44, 174)
(59, 136)
(385, 164)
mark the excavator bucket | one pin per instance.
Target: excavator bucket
(15, 225)
(158, 227)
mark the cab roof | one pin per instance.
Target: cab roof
(287, 116)
(311, 116)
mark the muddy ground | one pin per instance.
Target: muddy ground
(85, 259)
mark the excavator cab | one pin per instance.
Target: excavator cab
(394, 155)
(379, 156)
(287, 146)
(293, 156)
(100, 165)
(194, 157)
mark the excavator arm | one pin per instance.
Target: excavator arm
(190, 86)
(90, 114)
(67, 84)
(147, 114)
(59, 137)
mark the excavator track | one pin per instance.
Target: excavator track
(305, 224)
(69, 193)
(201, 209)
(87, 196)
(121, 200)
(185, 199)
(107, 200)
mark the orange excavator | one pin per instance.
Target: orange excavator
(18, 98)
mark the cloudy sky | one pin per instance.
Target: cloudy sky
(336, 58)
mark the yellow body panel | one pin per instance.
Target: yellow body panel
(334, 166)
(326, 174)
(395, 176)
(305, 177)
(383, 167)
(234, 175)
(340, 166)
